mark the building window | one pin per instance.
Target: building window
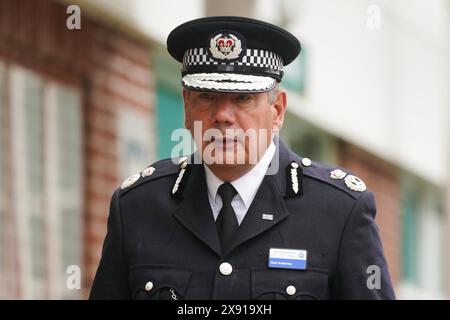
(169, 109)
(307, 140)
(294, 78)
(409, 237)
(3, 207)
(422, 241)
(44, 151)
(170, 115)
(135, 141)
(68, 182)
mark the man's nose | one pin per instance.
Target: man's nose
(224, 111)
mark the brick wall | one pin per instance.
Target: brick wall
(382, 180)
(110, 68)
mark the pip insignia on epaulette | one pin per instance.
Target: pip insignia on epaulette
(352, 182)
(294, 180)
(130, 181)
(183, 174)
(355, 183)
(337, 174)
(147, 172)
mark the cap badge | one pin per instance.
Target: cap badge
(226, 46)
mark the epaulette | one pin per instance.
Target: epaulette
(157, 170)
(339, 178)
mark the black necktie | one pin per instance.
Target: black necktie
(226, 221)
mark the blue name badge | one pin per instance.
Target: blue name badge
(287, 259)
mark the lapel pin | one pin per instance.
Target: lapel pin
(267, 216)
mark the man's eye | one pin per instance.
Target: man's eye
(243, 97)
(205, 96)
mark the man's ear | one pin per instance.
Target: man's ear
(187, 116)
(279, 110)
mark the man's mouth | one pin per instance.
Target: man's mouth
(225, 142)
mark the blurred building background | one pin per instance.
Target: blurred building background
(80, 110)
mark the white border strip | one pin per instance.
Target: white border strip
(228, 81)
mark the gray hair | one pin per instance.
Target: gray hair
(273, 93)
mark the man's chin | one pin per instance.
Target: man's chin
(230, 158)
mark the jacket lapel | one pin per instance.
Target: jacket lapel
(196, 215)
(195, 212)
(268, 201)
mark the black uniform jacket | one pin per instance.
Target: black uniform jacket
(162, 241)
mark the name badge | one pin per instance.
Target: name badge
(287, 259)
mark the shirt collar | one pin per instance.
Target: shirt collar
(248, 184)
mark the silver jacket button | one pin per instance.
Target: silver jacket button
(225, 268)
(291, 290)
(306, 162)
(149, 286)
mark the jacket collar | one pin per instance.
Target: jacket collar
(195, 212)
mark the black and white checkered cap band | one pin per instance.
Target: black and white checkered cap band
(260, 61)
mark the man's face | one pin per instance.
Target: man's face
(225, 117)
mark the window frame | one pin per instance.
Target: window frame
(53, 285)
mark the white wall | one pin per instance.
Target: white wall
(158, 18)
(384, 89)
(153, 18)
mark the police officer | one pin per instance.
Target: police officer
(270, 226)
